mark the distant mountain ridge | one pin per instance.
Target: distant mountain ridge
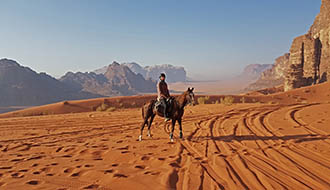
(253, 71)
(118, 80)
(21, 86)
(174, 73)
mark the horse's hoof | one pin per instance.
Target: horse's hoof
(149, 135)
(140, 138)
(181, 136)
(172, 140)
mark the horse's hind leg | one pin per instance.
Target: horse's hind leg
(149, 124)
(172, 130)
(180, 125)
(145, 122)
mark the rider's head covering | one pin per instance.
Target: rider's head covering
(162, 75)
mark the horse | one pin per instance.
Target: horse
(149, 111)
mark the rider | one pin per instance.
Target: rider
(163, 94)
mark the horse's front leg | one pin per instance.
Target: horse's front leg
(142, 127)
(172, 130)
(180, 125)
(149, 125)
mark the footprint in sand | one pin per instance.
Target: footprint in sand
(120, 175)
(68, 170)
(147, 172)
(162, 159)
(5, 168)
(123, 148)
(35, 158)
(152, 146)
(145, 158)
(69, 149)
(125, 152)
(17, 175)
(140, 167)
(75, 174)
(17, 160)
(108, 171)
(46, 169)
(92, 186)
(114, 165)
(88, 165)
(33, 182)
(83, 151)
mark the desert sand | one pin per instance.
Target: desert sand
(277, 145)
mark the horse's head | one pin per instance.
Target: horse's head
(190, 96)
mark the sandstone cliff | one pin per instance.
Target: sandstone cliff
(309, 61)
(272, 77)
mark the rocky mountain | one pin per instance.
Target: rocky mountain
(21, 86)
(117, 80)
(136, 68)
(252, 72)
(273, 76)
(89, 82)
(174, 73)
(309, 61)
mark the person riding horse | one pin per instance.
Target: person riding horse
(163, 94)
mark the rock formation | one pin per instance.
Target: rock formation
(117, 80)
(272, 77)
(174, 73)
(21, 86)
(128, 82)
(309, 61)
(252, 72)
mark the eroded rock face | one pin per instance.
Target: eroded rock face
(117, 80)
(174, 73)
(309, 61)
(273, 76)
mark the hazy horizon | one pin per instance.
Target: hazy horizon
(211, 39)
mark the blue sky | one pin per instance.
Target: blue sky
(210, 38)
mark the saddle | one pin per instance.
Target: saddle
(159, 107)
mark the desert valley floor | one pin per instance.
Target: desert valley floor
(243, 146)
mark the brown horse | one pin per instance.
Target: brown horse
(177, 109)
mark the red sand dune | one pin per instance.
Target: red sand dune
(280, 142)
